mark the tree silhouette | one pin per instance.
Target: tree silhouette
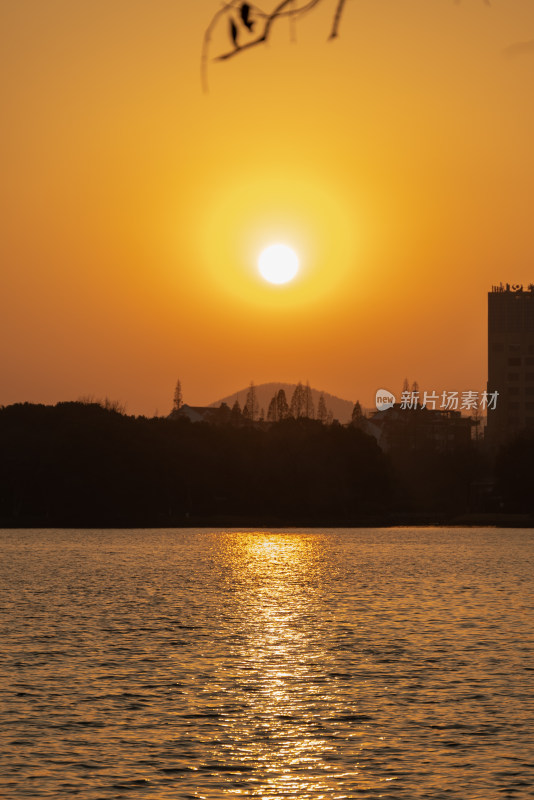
(282, 407)
(271, 411)
(302, 402)
(250, 410)
(322, 413)
(296, 408)
(237, 416)
(223, 415)
(278, 407)
(177, 401)
(256, 25)
(309, 411)
(357, 413)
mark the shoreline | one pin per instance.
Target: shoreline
(264, 522)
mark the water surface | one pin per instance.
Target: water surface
(275, 664)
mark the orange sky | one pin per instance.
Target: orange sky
(397, 160)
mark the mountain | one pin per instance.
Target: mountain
(341, 409)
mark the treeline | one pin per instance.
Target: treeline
(79, 464)
(300, 406)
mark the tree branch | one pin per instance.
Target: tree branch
(206, 43)
(337, 18)
(278, 12)
(242, 8)
(285, 8)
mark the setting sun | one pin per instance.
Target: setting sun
(278, 263)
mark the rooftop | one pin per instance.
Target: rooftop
(515, 288)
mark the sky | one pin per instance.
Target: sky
(396, 160)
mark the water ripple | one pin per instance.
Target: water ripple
(272, 664)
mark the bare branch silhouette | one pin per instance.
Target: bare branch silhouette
(248, 15)
(250, 26)
(207, 39)
(337, 18)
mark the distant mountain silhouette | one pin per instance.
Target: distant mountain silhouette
(341, 409)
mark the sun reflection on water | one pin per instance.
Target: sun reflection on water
(284, 663)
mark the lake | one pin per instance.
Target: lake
(309, 663)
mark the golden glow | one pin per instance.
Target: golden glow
(278, 263)
(244, 214)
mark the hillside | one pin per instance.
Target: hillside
(341, 409)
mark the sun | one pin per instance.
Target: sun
(278, 263)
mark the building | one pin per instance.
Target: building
(419, 429)
(222, 415)
(192, 413)
(510, 360)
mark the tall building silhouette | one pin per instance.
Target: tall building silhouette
(510, 360)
